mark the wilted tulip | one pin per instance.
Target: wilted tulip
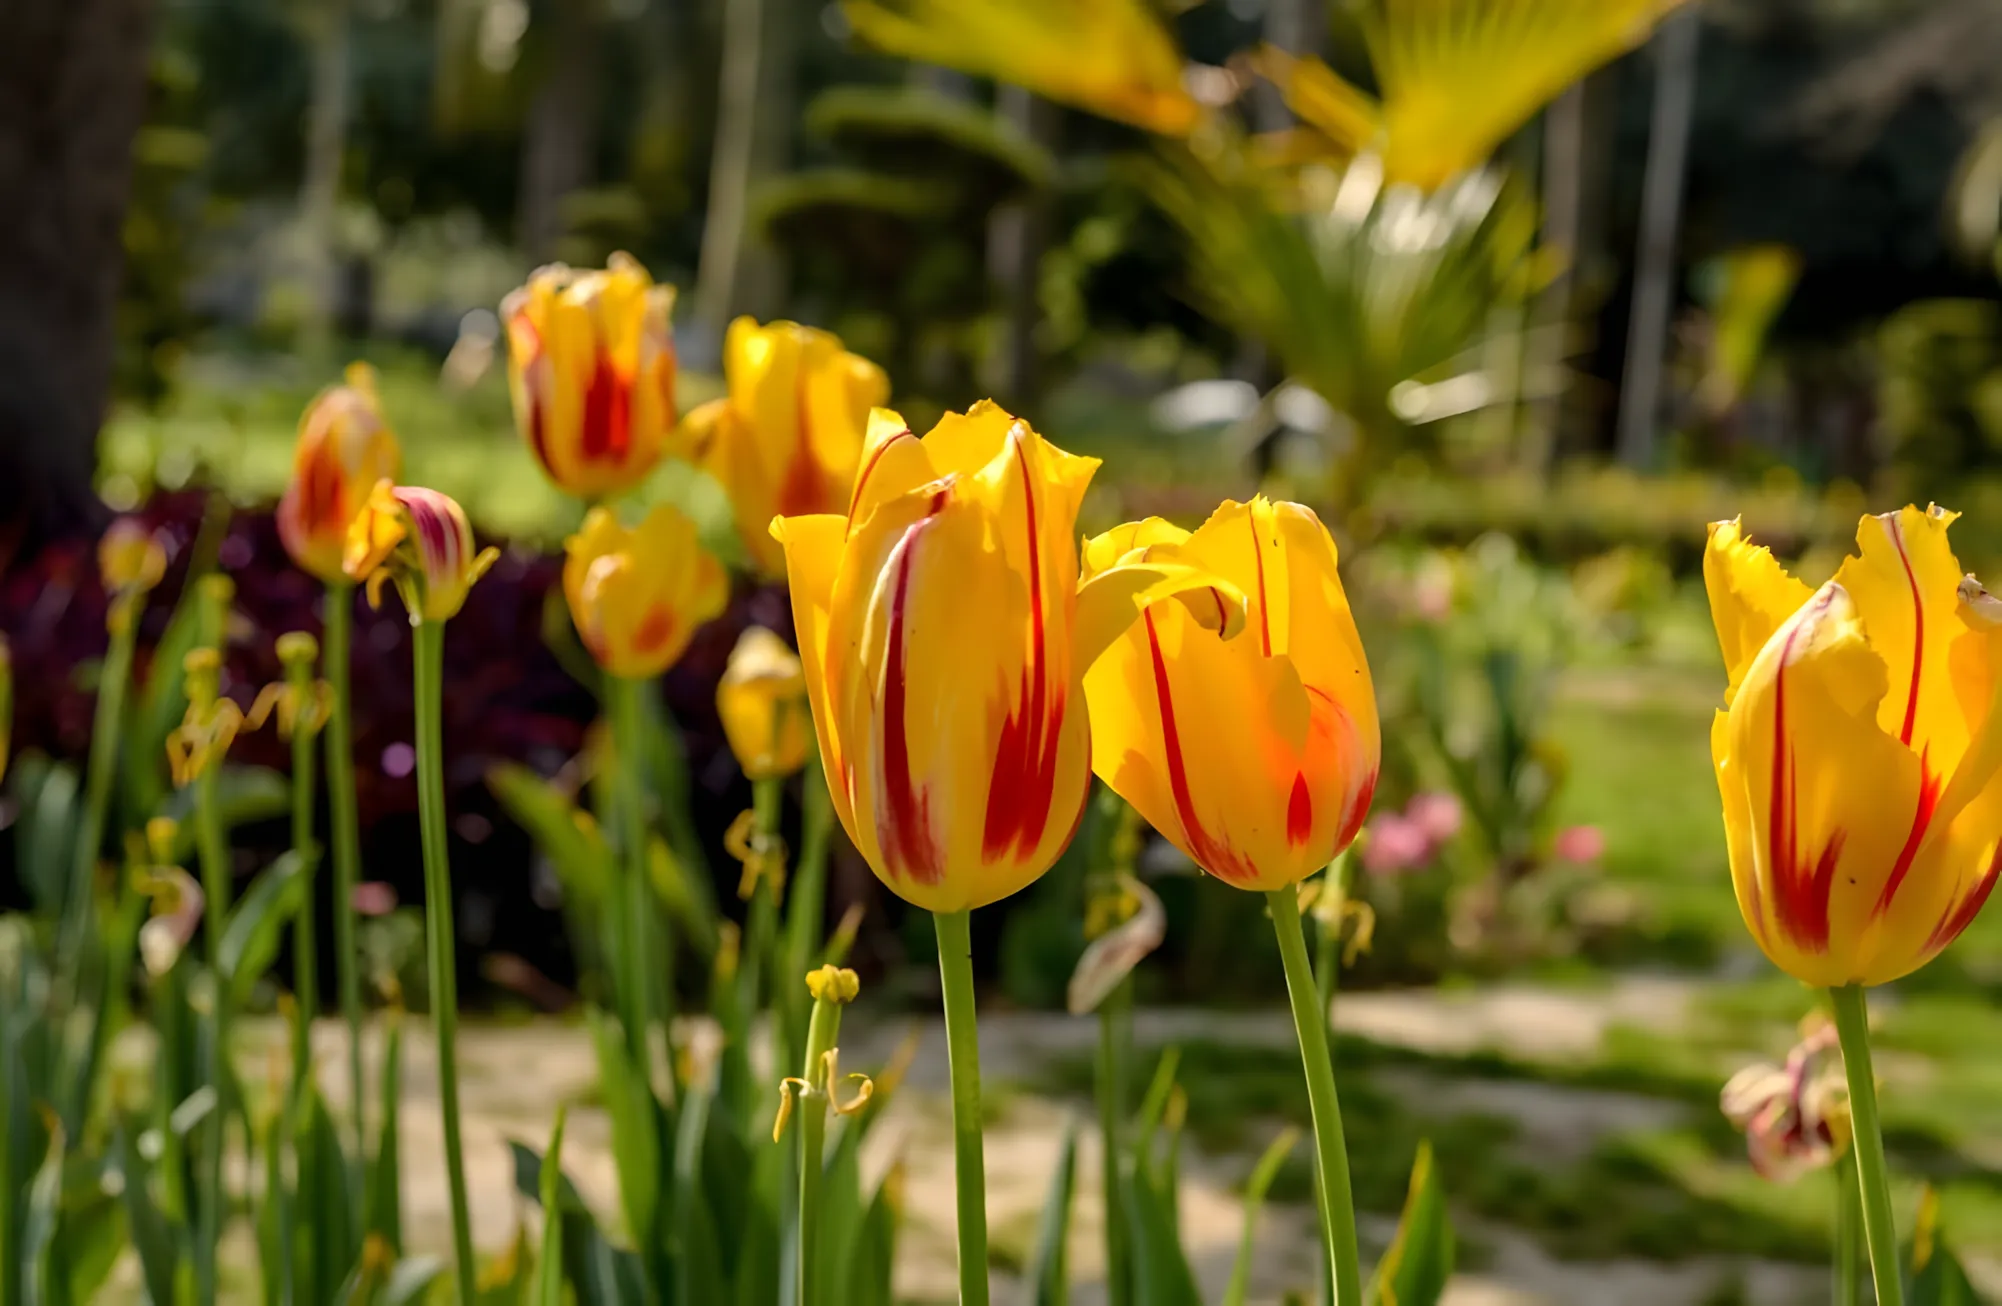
(421, 540)
(944, 635)
(787, 438)
(344, 448)
(638, 596)
(1796, 1116)
(762, 702)
(1858, 755)
(591, 368)
(1258, 756)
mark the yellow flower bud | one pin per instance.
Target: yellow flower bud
(130, 558)
(762, 702)
(421, 540)
(638, 596)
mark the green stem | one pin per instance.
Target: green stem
(1111, 1091)
(214, 851)
(634, 983)
(806, 902)
(1338, 1216)
(105, 732)
(344, 830)
(1852, 1023)
(429, 640)
(822, 1031)
(962, 1047)
(1848, 1233)
(1328, 979)
(305, 927)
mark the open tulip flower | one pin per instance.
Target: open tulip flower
(1858, 756)
(786, 439)
(591, 368)
(1256, 756)
(638, 596)
(944, 634)
(421, 540)
(344, 448)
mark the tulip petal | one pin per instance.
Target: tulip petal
(1113, 599)
(894, 462)
(1905, 583)
(1804, 768)
(1751, 596)
(813, 551)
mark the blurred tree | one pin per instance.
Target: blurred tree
(324, 25)
(559, 140)
(72, 91)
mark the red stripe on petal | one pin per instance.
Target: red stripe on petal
(869, 469)
(1258, 555)
(655, 629)
(1930, 785)
(1213, 855)
(1800, 889)
(608, 413)
(1897, 534)
(1299, 812)
(1023, 783)
(1960, 914)
(904, 830)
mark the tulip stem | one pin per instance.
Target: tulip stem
(806, 901)
(622, 705)
(344, 831)
(962, 1047)
(1852, 1024)
(305, 955)
(1114, 1015)
(823, 1028)
(1337, 1203)
(1848, 1231)
(429, 640)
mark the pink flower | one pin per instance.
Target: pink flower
(1394, 844)
(374, 898)
(1581, 845)
(1436, 814)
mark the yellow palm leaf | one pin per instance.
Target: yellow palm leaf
(1112, 57)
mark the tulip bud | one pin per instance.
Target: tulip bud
(786, 440)
(344, 448)
(638, 596)
(421, 540)
(762, 702)
(833, 984)
(591, 368)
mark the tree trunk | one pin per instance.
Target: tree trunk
(72, 93)
(561, 136)
(1661, 215)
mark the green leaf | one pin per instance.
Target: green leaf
(1161, 1275)
(410, 1282)
(244, 794)
(382, 1205)
(45, 835)
(45, 1284)
(635, 1121)
(323, 1209)
(158, 1255)
(548, 1288)
(1048, 1265)
(691, 1231)
(1419, 1261)
(1254, 1200)
(250, 939)
(569, 837)
(599, 1274)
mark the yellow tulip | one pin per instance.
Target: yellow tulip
(785, 441)
(421, 540)
(591, 369)
(944, 636)
(1858, 753)
(1258, 756)
(762, 702)
(1458, 76)
(130, 558)
(638, 596)
(344, 448)
(1113, 57)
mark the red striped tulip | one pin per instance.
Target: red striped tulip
(638, 596)
(1258, 756)
(591, 369)
(421, 540)
(945, 634)
(1859, 751)
(344, 448)
(786, 439)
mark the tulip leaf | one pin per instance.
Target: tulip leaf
(636, 1122)
(382, 1204)
(251, 937)
(1255, 1189)
(1161, 1274)
(1419, 1261)
(1937, 1277)
(599, 1274)
(148, 1228)
(1048, 1266)
(410, 1282)
(548, 1289)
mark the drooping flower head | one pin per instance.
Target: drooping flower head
(1258, 756)
(762, 702)
(1859, 756)
(944, 635)
(591, 368)
(344, 448)
(1795, 1117)
(421, 540)
(787, 438)
(638, 596)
